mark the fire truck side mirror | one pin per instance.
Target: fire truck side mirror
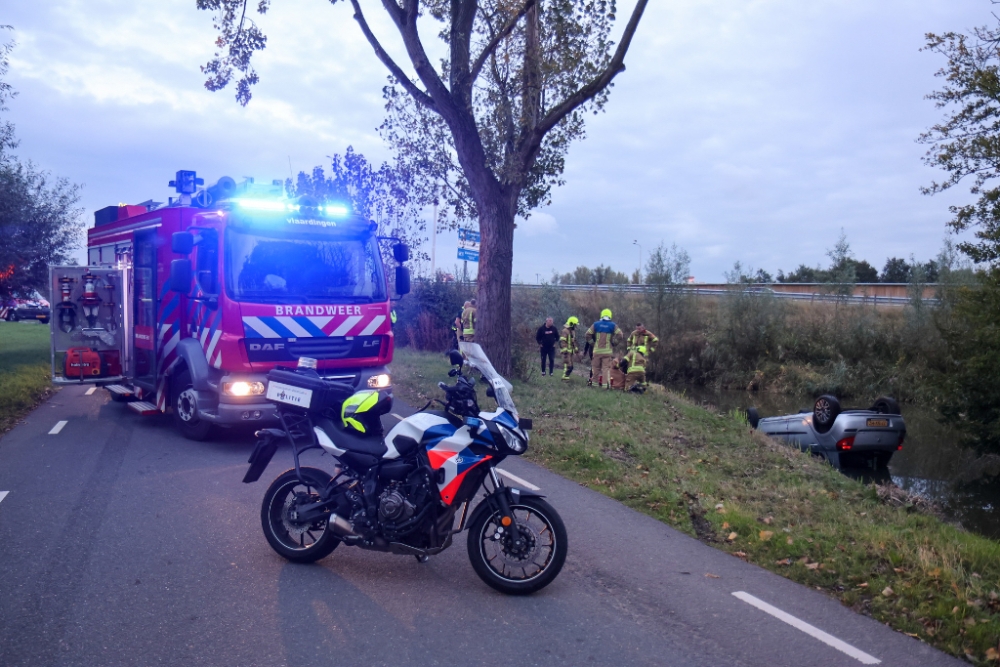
(400, 252)
(180, 276)
(402, 280)
(182, 243)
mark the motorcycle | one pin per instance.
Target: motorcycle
(401, 493)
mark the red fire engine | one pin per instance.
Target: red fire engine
(184, 308)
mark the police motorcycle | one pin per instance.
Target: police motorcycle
(401, 492)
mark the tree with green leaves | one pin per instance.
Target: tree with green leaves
(489, 126)
(966, 144)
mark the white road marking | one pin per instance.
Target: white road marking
(393, 414)
(517, 480)
(3, 494)
(90, 391)
(58, 427)
(810, 630)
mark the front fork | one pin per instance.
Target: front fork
(500, 497)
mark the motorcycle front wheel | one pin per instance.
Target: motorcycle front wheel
(297, 541)
(525, 567)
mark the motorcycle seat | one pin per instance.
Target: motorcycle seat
(351, 440)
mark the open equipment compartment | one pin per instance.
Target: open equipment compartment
(91, 322)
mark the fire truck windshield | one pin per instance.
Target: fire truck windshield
(279, 268)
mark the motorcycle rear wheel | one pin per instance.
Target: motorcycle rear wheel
(519, 571)
(296, 541)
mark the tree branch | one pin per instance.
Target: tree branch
(533, 139)
(396, 71)
(462, 19)
(407, 25)
(477, 66)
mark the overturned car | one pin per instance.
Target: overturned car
(845, 438)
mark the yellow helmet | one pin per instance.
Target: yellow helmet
(572, 321)
(606, 313)
(362, 410)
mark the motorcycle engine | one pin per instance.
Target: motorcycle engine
(393, 505)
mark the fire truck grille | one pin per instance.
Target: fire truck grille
(323, 348)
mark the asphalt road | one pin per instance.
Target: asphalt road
(123, 544)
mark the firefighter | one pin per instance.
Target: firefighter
(635, 362)
(469, 321)
(642, 337)
(618, 367)
(567, 345)
(605, 334)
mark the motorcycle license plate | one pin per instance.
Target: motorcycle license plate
(877, 423)
(286, 393)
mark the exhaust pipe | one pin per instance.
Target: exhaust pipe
(341, 526)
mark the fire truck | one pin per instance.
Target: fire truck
(183, 308)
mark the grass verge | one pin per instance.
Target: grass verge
(25, 376)
(712, 477)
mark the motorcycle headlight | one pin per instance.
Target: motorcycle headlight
(514, 442)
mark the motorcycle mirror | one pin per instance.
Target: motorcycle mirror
(455, 357)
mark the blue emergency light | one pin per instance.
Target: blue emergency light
(333, 210)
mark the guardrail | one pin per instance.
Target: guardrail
(794, 296)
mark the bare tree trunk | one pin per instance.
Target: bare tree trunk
(493, 328)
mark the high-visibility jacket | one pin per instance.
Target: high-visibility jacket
(636, 361)
(567, 341)
(469, 321)
(645, 338)
(605, 334)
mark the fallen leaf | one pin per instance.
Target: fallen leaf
(768, 520)
(812, 566)
(954, 610)
(790, 541)
(898, 569)
(991, 654)
(864, 585)
(765, 535)
(725, 524)
(936, 572)
(970, 622)
(715, 576)
(783, 561)
(975, 575)
(740, 554)
(911, 634)
(732, 536)
(888, 592)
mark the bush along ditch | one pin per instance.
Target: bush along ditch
(712, 477)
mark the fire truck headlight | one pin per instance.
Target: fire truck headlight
(380, 381)
(243, 388)
(335, 209)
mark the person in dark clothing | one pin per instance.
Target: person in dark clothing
(547, 337)
(456, 329)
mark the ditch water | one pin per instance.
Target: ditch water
(931, 464)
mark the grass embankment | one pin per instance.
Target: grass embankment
(25, 376)
(712, 477)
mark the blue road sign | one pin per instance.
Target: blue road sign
(468, 237)
(468, 255)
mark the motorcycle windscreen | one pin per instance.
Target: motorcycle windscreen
(478, 360)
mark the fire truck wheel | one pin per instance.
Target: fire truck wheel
(185, 408)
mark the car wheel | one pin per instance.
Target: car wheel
(825, 412)
(11, 316)
(886, 405)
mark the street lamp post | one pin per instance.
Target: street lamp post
(640, 259)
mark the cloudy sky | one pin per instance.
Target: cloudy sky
(750, 130)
